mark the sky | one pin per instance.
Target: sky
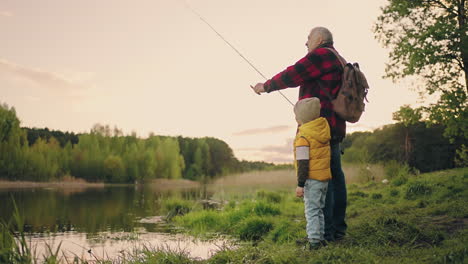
(153, 66)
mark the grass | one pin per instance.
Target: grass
(14, 247)
(422, 219)
(175, 207)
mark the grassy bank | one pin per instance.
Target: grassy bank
(411, 219)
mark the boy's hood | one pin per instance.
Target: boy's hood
(318, 129)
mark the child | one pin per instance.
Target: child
(312, 156)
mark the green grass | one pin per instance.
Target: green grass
(422, 219)
(175, 207)
(419, 220)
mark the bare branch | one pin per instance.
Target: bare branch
(459, 62)
(441, 5)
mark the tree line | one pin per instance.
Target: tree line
(412, 141)
(106, 154)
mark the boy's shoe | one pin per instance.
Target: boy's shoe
(302, 241)
(330, 239)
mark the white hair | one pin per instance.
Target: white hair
(326, 35)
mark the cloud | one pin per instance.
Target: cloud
(272, 153)
(279, 158)
(5, 14)
(279, 149)
(40, 77)
(256, 131)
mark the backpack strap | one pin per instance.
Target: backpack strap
(343, 64)
(341, 59)
(324, 90)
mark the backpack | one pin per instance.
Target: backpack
(349, 102)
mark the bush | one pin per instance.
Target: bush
(400, 180)
(202, 221)
(376, 196)
(365, 173)
(114, 169)
(398, 172)
(461, 159)
(287, 231)
(394, 192)
(359, 194)
(272, 197)
(416, 189)
(174, 207)
(262, 208)
(254, 228)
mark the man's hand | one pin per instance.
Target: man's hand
(299, 191)
(258, 88)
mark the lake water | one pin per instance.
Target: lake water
(107, 222)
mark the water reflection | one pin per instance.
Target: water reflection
(120, 245)
(119, 208)
(91, 210)
(77, 216)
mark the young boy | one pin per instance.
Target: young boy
(312, 156)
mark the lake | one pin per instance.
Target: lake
(106, 222)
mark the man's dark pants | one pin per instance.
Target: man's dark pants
(335, 203)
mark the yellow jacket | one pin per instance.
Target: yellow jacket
(316, 135)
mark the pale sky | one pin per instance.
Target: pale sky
(154, 66)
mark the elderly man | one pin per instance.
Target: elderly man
(320, 68)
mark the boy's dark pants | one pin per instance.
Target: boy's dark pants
(335, 203)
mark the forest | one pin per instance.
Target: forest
(420, 146)
(107, 155)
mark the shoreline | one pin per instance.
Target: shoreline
(161, 183)
(5, 184)
(67, 184)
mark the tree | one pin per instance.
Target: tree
(222, 156)
(428, 39)
(407, 116)
(13, 144)
(34, 134)
(430, 151)
(114, 169)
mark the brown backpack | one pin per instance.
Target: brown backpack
(349, 103)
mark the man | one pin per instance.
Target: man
(320, 68)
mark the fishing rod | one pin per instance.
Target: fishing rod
(230, 45)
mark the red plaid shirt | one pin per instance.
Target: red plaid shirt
(320, 64)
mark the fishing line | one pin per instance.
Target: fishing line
(230, 45)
